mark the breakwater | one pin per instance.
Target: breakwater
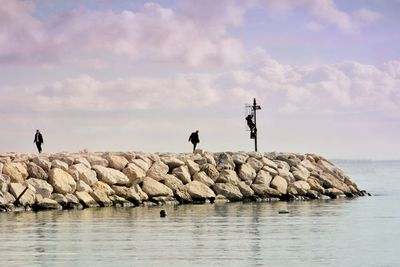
(84, 180)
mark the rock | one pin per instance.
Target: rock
(86, 200)
(255, 164)
(182, 173)
(263, 177)
(73, 202)
(193, 166)
(158, 170)
(313, 194)
(60, 199)
(143, 164)
(134, 173)
(269, 163)
(203, 178)
(230, 191)
(42, 163)
(127, 193)
(142, 195)
(246, 172)
(287, 175)
(271, 171)
(210, 170)
(172, 162)
(225, 161)
(96, 160)
(198, 190)
(48, 204)
(101, 186)
(154, 188)
(59, 164)
(62, 157)
(110, 176)
(82, 186)
(307, 164)
(239, 158)
(328, 180)
(81, 172)
(315, 185)
(265, 191)
(172, 182)
(228, 176)
(4, 182)
(300, 173)
(245, 190)
(120, 202)
(101, 198)
(1, 167)
(42, 187)
(117, 162)
(210, 159)
(16, 171)
(61, 181)
(279, 184)
(302, 187)
(83, 161)
(282, 165)
(8, 198)
(334, 193)
(35, 171)
(28, 198)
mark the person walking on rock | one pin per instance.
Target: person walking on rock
(194, 138)
(38, 140)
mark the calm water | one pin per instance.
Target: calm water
(357, 232)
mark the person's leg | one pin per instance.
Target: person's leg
(194, 147)
(39, 147)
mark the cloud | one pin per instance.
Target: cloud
(153, 34)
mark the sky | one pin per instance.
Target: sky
(142, 75)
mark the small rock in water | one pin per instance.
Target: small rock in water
(283, 211)
(163, 213)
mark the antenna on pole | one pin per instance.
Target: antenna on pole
(251, 120)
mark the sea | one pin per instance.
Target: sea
(362, 231)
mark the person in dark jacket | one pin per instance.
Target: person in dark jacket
(194, 138)
(38, 140)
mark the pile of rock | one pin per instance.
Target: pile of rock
(80, 180)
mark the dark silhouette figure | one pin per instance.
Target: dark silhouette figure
(194, 138)
(38, 141)
(250, 122)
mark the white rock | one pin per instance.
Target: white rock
(96, 160)
(245, 189)
(230, 191)
(59, 164)
(239, 158)
(210, 170)
(246, 172)
(228, 176)
(42, 187)
(16, 171)
(86, 200)
(110, 176)
(154, 188)
(134, 173)
(193, 166)
(255, 164)
(263, 177)
(117, 162)
(158, 170)
(82, 186)
(264, 190)
(203, 178)
(172, 162)
(101, 186)
(182, 173)
(61, 181)
(198, 190)
(82, 160)
(269, 163)
(279, 184)
(42, 163)
(35, 171)
(81, 172)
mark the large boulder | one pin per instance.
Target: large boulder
(286, 174)
(228, 176)
(239, 158)
(269, 163)
(299, 188)
(59, 164)
(193, 166)
(82, 186)
(86, 200)
(142, 163)
(101, 198)
(245, 189)
(210, 170)
(48, 204)
(198, 190)
(172, 162)
(42, 187)
(102, 186)
(158, 170)
(263, 177)
(203, 178)
(4, 182)
(81, 172)
(28, 198)
(264, 190)
(128, 193)
(255, 164)
(82, 160)
(246, 172)
(230, 191)
(154, 188)
(182, 173)
(172, 182)
(315, 185)
(42, 163)
(279, 184)
(134, 173)
(110, 176)
(16, 171)
(300, 173)
(35, 171)
(96, 160)
(61, 181)
(330, 181)
(117, 162)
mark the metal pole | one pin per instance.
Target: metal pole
(255, 123)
